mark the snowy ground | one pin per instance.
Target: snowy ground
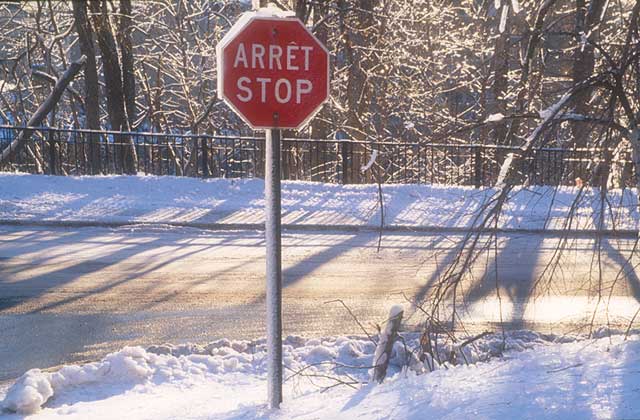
(152, 199)
(538, 376)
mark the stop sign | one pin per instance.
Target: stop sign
(272, 71)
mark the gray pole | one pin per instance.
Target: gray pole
(274, 267)
(273, 231)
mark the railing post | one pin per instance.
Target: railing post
(345, 161)
(117, 138)
(95, 163)
(52, 153)
(136, 152)
(205, 157)
(477, 166)
(284, 164)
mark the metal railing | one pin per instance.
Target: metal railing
(82, 152)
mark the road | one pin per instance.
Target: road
(73, 294)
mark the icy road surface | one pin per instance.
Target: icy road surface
(72, 294)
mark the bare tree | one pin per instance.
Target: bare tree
(91, 97)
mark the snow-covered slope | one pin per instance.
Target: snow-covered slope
(538, 377)
(152, 199)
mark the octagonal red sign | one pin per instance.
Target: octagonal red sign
(272, 71)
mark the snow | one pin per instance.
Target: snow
(504, 170)
(549, 112)
(495, 117)
(29, 393)
(233, 202)
(537, 376)
(584, 39)
(369, 164)
(385, 337)
(395, 311)
(546, 114)
(503, 18)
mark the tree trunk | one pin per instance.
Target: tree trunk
(126, 51)
(113, 82)
(584, 63)
(525, 90)
(302, 9)
(91, 100)
(320, 127)
(496, 102)
(358, 33)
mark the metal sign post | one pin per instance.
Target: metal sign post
(273, 230)
(274, 73)
(273, 236)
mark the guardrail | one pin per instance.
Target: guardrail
(82, 152)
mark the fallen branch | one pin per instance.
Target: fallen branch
(474, 338)
(44, 109)
(354, 318)
(351, 382)
(564, 368)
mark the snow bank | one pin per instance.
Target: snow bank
(536, 376)
(541, 376)
(30, 392)
(152, 199)
(168, 363)
(130, 365)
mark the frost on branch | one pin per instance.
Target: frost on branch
(515, 4)
(503, 18)
(369, 164)
(547, 115)
(494, 117)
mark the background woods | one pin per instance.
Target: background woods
(456, 72)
